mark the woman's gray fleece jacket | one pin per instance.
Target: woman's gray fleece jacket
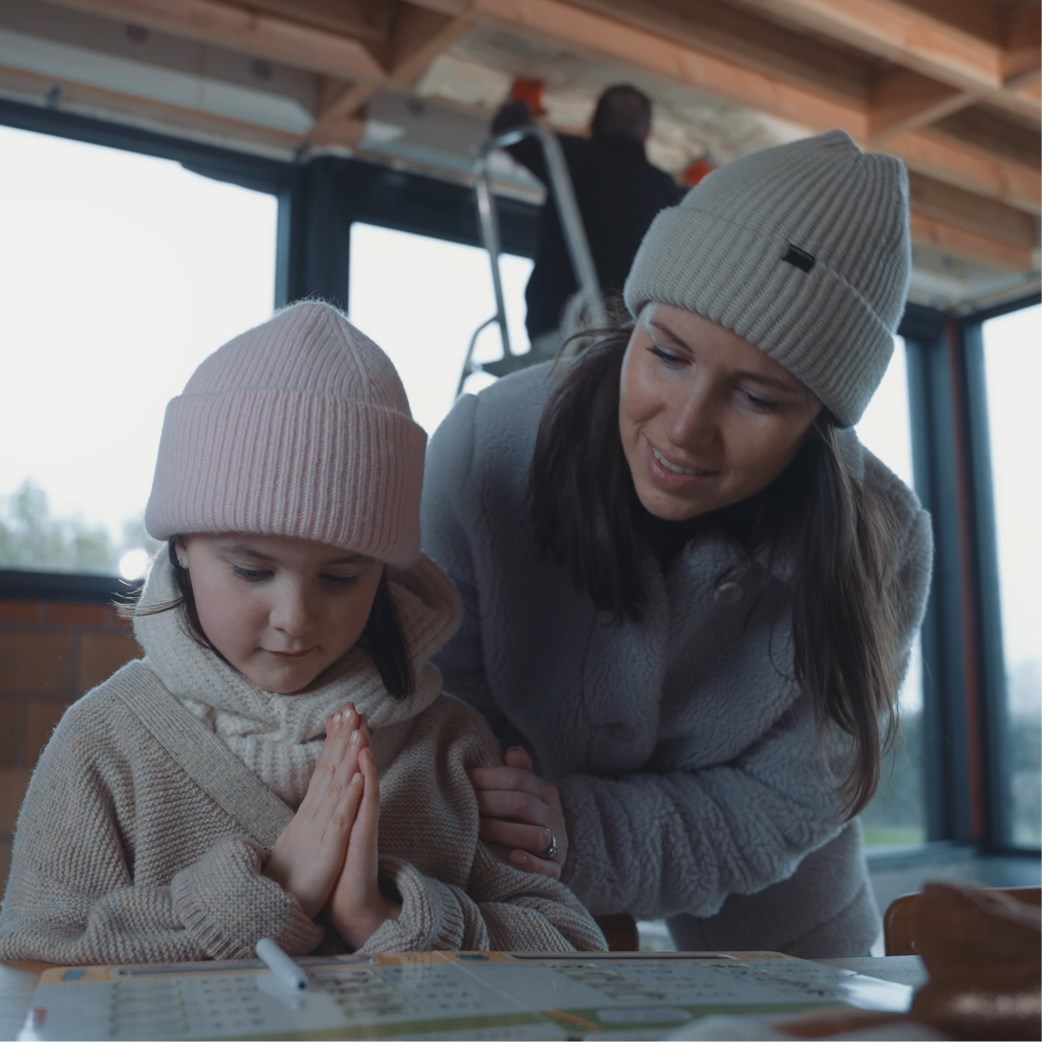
(695, 784)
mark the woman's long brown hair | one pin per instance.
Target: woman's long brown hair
(845, 639)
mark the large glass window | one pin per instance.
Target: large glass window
(1013, 382)
(422, 300)
(897, 814)
(121, 272)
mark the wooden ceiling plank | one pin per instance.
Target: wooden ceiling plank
(944, 202)
(989, 131)
(418, 35)
(339, 104)
(903, 100)
(243, 29)
(741, 32)
(456, 8)
(86, 99)
(1031, 92)
(367, 20)
(963, 242)
(963, 48)
(959, 163)
(1022, 54)
(900, 32)
(729, 31)
(975, 170)
(585, 31)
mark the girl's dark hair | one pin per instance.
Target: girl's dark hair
(382, 637)
(846, 646)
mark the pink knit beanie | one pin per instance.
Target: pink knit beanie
(299, 427)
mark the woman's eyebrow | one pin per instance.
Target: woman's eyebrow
(773, 381)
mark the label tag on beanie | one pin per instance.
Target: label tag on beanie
(799, 258)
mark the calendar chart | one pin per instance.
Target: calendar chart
(459, 995)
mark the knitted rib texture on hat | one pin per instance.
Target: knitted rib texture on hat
(803, 250)
(298, 427)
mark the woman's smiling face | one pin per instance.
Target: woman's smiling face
(706, 418)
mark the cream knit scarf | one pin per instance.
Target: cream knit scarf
(279, 737)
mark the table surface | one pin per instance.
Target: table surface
(18, 982)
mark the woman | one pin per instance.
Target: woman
(689, 593)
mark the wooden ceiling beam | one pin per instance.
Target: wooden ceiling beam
(86, 99)
(418, 36)
(898, 32)
(940, 156)
(973, 169)
(736, 34)
(584, 31)
(337, 118)
(367, 20)
(239, 28)
(415, 38)
(903, 100)
(944, 202)
(1022, 52)
(963, 242)
(965, 49)
(1032, 92)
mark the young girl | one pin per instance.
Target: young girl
(724, 586)
(280, 763)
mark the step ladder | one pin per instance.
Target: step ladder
(588, 299)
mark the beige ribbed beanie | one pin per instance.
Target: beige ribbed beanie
(299, 427)
(802, 249)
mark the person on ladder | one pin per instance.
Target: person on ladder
(618, 191)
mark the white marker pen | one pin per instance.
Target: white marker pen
(288, 972)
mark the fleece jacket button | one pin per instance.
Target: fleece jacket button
(728, 593)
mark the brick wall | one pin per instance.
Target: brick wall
(51, 652)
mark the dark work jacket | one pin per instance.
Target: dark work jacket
(618, 193)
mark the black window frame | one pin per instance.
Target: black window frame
(320, 196)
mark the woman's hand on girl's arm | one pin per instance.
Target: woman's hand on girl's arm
(358, 906)
(309, 854)
(522, 811)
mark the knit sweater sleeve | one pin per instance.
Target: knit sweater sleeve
(456, 892)
(500, 909)
(119, 858)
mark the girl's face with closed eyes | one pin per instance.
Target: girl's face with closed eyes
(706, 418)
(279, 610)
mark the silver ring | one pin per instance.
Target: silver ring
(551, 844)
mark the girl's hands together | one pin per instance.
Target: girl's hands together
(327, 856)
(358, 906)
(522, 811)
(309, 854)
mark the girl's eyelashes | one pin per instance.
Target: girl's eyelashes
(256, 575)
(250, 575)
(339, 580)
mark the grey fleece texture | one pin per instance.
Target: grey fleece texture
(695, 784)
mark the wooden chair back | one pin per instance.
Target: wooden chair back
(899, 924)
(620, 931)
